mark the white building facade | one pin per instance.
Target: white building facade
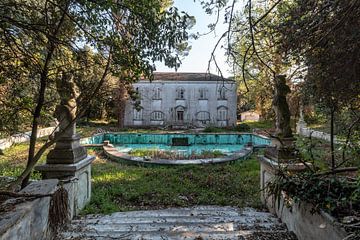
(183, 100)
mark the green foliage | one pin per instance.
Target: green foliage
(317, 152)
(255, 54)
(267, 124)
(330, 55)
(334, 194)
(13, 161)
(211, 129)
(39, 40)
(118, 187)
(242, 127)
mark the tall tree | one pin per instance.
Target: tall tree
(40, 38)
(323, 35)
(254, 51)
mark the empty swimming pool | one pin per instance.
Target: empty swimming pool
(179, 142)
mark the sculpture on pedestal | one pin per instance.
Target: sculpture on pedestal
(68, 161)
(67, 149)
(283, 140)
(281, 108)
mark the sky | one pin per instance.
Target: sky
(198, 58)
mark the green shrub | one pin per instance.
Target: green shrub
(243, 127)
(212, 129)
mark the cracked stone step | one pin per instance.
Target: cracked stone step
(179, 219)
(200, 222)
(175, 227)
(242, 235)
(177, 212)
(194, 211)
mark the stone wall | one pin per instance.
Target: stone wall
(297, 216)
(250, 116)
(29, 220)
(24, 137)
(305, 131)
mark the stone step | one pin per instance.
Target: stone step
(178, 219)
(200, 222)
(242, 235)
(174, 227)
(183, 212)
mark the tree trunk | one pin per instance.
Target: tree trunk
(41, 98)
(37, 112)
(332, 118)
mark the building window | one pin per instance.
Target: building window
(137, 114)
(157, 116)
(202, 93)
(203, 117)
(222, 113)
(222, 93)
(180, 93)
(157, 93)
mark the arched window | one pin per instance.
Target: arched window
(180, 93)
(202, 93)
(203, 117)
(157, 116)
(222, 93)
(157, 93)
(222, 113)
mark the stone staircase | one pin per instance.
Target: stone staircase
(200, 222)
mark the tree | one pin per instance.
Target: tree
(251, 43)
(41, 39)
(323, 35)
(254, 51)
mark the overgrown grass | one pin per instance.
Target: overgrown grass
(119, 187)
(247, 126)
(13, 162)
(318, 152)
(266, 124)
(87, 129)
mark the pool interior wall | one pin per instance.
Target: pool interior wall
(167, 138)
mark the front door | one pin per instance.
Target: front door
(180, 116)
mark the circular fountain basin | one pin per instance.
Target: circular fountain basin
(234, 146)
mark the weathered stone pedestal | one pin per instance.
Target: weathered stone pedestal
(69, 163)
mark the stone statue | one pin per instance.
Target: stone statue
(68, 160)
(67, 148)
(65, 112)
(281, 108)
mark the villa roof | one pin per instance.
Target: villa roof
(181, 76)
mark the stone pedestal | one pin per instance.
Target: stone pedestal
(69, 163)
(282, 150)
(67, 150)
(76, 179)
